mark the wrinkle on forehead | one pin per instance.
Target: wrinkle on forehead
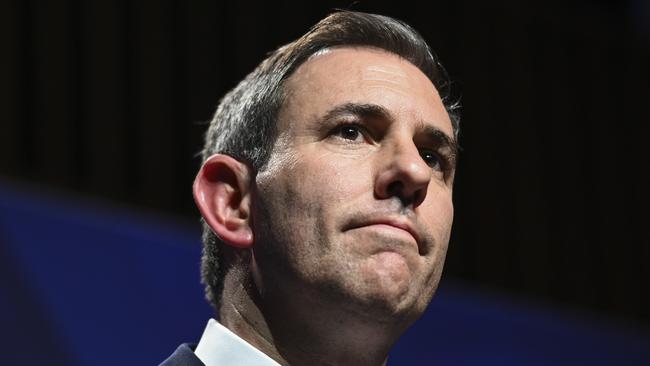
(377, 70)
(365, 74)
(385, 76)
(395, 77)
(383, 71)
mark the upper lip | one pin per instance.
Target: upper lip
(400, 223)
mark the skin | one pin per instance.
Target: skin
(351, 217)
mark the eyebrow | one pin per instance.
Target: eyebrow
(359, 110)
(368, 110)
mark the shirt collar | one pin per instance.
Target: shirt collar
(220, 346)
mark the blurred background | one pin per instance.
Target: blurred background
(103, 105)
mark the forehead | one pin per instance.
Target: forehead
(363, 75)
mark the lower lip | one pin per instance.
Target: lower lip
(389, 228)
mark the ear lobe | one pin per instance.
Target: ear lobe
(222, 193)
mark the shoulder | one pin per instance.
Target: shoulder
(183, 356)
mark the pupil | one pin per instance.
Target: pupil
(430, 158)
(350, 132)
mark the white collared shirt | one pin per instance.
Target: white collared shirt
(219, 346)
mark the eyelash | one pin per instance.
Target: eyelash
(442, 160)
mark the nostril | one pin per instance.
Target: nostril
(398, 190)
(395, 189)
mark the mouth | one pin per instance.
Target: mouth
(392, 226)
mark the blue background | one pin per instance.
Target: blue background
(85, 283)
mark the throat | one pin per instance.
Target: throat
(304, 331)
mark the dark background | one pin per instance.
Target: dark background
(110, 99)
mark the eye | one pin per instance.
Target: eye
(350, 132)
(432, 159)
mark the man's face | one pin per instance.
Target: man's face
(355, 204)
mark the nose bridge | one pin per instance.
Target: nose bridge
(402, 171)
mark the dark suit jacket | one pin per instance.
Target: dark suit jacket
(183, 356)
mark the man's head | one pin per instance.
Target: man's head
(344, 153)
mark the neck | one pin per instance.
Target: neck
(304, 331)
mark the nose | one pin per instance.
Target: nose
(403, 174)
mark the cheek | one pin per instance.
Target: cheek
(440, 213)
(331, 178)
(295, 198)
(287, 223)
(312, 187)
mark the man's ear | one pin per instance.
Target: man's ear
(222, 192)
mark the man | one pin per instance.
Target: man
(326, 193)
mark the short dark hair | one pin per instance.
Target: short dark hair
(244, 124)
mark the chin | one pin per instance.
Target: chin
(385, 307)
(389, 273)
(386, 288)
